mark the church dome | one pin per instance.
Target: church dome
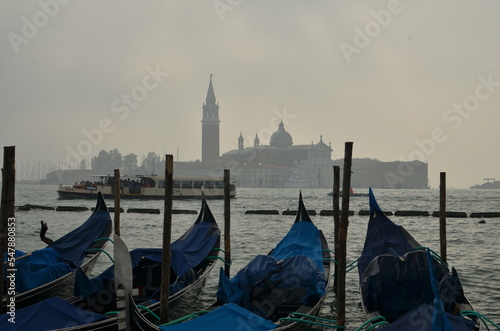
(281, 138)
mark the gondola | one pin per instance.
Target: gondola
(283, 290)
(193, 256)
(51, 271)
(405, 285)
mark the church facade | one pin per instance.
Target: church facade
(281, 163)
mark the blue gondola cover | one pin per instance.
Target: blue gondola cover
(228, 317)
(62, 256)
(53, 313)
(296, 263)
(186, 253)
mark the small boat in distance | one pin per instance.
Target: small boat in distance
(147, 187)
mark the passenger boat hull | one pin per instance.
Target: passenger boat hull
(147, 188)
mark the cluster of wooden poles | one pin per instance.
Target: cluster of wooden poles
(340, 218)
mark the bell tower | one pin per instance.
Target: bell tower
(210, 129)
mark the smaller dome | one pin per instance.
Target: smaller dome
(281, 138)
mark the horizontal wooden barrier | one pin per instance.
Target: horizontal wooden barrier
(452, 214)
(411, 213)
(294, 212)
(143, 211)
(365, 212)
(71, 208)
(262, 212)
(30, 206)
(485, 215)
(329, 212)
(184, 211)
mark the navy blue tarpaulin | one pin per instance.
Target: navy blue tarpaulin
(405, 285)
(187, 252)
(53, 313)
(63, 255)
(228, 317)
(72, 246)
(421, 318)
(296, 262)
(302, 239)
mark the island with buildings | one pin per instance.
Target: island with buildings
(279, 163)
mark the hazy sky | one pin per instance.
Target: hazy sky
(401, 79)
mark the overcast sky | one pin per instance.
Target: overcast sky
(401, 79)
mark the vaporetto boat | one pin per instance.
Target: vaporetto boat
(147, 187)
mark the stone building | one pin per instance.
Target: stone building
(281, 163)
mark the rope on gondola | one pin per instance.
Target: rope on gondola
(220, 258)
(352, 265)
(434, 255)
(103, 238)
(483, 318)
(100, 250)
(187, 317)
(332, 260)
(149, 311)
(314, 320)
(373, 323)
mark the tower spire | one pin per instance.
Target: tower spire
(210, 100)
(210, 128)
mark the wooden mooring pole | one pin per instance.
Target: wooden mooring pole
(442, 215)
(336, 221)
(117, 201)
(167, 235)
(342, 246)
(227, 222)
(7, 219)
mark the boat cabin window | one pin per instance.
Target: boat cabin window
(219, 184)
(197, 183)
(186, 184)
(208, 184)
(149, 182)
(161, 184)
(176, 184)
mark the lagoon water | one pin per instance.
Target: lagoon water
(473, 249)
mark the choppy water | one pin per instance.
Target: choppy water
(472, 248)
